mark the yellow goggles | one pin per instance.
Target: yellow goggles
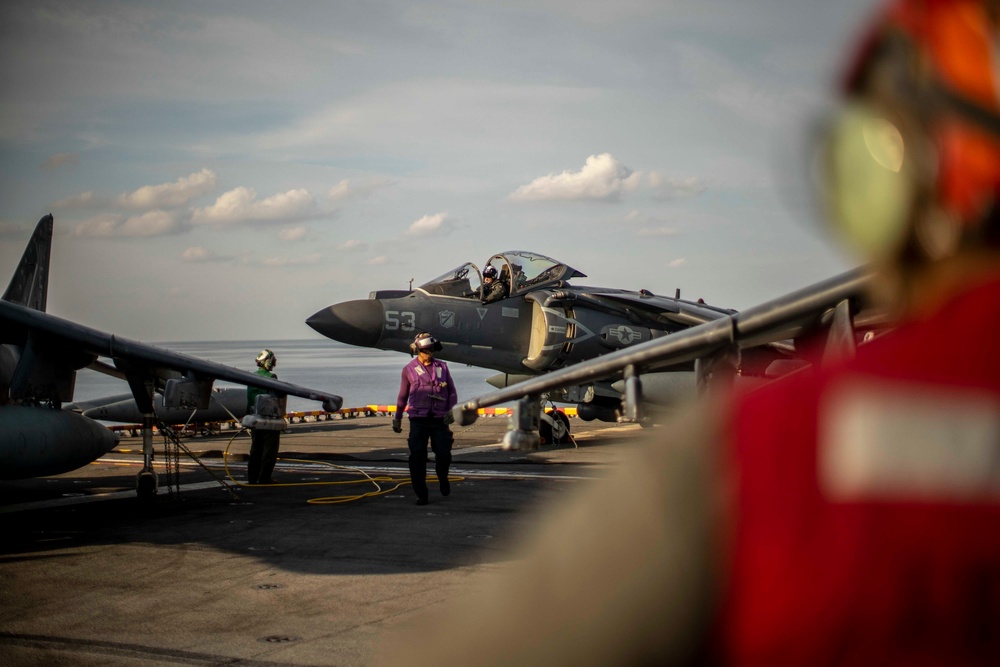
(867, 180)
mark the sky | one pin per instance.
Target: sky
(222, 170)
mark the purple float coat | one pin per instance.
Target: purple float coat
(427, 391)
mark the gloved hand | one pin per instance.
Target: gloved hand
(448, 418)
(397, 425)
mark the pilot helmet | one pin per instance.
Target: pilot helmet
(490, 272)
(911, 165)
(266, 359)
(425, 342)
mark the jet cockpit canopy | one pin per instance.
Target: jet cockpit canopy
(521, 271)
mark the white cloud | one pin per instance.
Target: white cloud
(602, 177)
(83, 200)
(293, 233)
(678, 263)
(377, 261)
(198, 253)
(148, 197)
(241, 205)
(170, 195)
(151, 223)
(103, 225)
(353, 244)
(431, 225)
(348, 189)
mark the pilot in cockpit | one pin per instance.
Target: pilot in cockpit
(495, 287)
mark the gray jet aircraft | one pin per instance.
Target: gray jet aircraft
(531, 320)
(827, 318)
(40, 355)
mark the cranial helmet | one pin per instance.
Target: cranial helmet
(266, 359)
(424, 342)
(490, 272)
(912, 162)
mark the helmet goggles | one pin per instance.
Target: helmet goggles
(920, 133)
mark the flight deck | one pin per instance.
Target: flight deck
(314, 570)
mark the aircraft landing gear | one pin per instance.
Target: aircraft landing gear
(146, 481)
(146, 484)
(522, 430)
(553, 428)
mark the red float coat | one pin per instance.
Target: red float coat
(867, 503)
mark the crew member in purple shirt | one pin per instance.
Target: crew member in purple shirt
(427, 393)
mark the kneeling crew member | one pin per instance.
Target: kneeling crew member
(428, 394)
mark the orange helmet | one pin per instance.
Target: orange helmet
(913, 162)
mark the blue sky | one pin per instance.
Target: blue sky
(222, 170)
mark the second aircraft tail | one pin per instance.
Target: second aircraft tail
(30, 285)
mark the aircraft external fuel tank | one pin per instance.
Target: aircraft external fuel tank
(37, 441)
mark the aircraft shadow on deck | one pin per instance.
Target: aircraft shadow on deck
(380, 535)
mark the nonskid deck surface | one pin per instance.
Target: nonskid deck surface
(295, 573)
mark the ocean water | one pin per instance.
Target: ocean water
(362, 376)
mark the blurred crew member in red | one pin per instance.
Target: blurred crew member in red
(845, 515)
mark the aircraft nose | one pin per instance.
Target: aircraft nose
(352, 322)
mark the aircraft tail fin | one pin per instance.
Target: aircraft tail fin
(30, 285)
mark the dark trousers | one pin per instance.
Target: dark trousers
(423, 429)
(263, 455)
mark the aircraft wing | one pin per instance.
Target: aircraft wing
(642, 307)
(40, 355)
(782, 318)
(52, 340)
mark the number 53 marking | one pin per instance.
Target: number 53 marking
(400, 320)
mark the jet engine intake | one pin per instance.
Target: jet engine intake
(550, 330)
